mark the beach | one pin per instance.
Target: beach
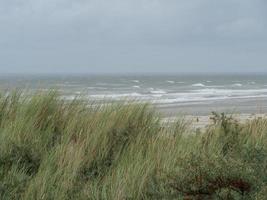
(203, 121)
(246, 106)
(133, 100)
(199, 115)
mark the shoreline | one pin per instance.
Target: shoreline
(241, 106)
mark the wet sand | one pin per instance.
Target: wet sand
(235, 106)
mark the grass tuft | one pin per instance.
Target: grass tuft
(51, 148)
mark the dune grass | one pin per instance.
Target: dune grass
(51, 148)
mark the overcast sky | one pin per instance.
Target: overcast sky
(133, 36)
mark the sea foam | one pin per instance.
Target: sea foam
(158, 92)
(135, 81)
(172, 82)
(237, 85)
(136, 86)
(198, 85)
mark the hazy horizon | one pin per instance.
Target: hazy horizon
(151, 73)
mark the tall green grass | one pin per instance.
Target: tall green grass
(51, 148)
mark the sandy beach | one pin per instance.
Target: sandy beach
(237, 106)
(200, 122)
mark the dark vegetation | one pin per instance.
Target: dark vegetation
(51, 148)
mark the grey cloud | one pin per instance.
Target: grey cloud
(132, 35)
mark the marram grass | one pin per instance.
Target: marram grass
(51, 148)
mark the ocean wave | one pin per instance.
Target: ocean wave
(68, 85)
(172, 82)
(197, 95)
(237, 85)
(158, 92)
(135, 81)
(252, 82)
(114, 96)
(201, 100)
(239, 92)
(96, 88)
(101, 84)
(198, 85)
(136, 86)
(215, 86)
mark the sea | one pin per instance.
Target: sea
(170, 94)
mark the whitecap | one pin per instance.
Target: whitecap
(136, 86)
(115, 96)
(172, 82)
(135, 81)
(158, 92)
(237, 85)
(198, 85)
